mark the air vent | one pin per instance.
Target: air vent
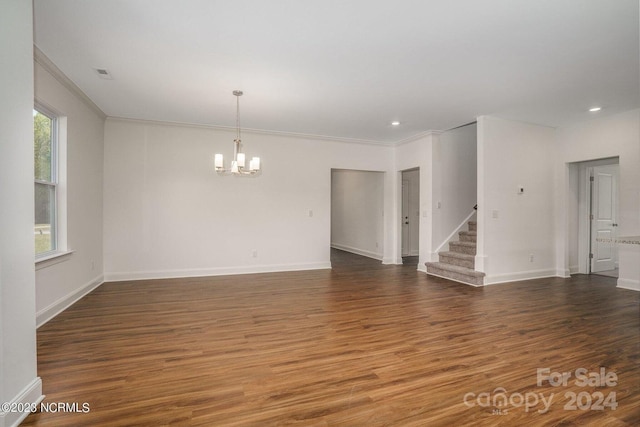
(103, 73)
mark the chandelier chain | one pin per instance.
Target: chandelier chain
(238, 117)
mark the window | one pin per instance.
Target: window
(45, 146)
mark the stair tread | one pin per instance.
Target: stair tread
(469, 244)
(455, 268)
(457, 255)
(469, 233)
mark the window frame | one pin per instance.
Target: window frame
(53, 184)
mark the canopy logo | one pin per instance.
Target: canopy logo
(502, 402)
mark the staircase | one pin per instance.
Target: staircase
(458, 263)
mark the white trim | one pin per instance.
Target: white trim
(574, 269)
(58, 306)
(31, 394)
(204, 272)
(519, 276)
(632, 285)
(253, 131)
(53, 259)
(357, 251)
(40, 58)
(422, 267)
(564, 273)
(392, 261)
(456, 231)
(417, 137)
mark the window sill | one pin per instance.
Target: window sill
(52, 259)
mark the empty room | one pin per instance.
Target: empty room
(320, 213)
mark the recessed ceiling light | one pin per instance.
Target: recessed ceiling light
(595, 109)
(396, 123)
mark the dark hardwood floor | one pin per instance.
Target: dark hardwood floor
(362, 344)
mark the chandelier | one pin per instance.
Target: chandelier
(238, 163)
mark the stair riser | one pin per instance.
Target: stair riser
(467, 263)
(454, 247)
(456, 276)
(466, 238)
(473, 227)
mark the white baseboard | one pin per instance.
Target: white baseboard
(566, 273)
(632, 285)
(57, 307)
(574, 269)
(422, 267)
(31, 394)
(517, 277)
(204, 272)
(392, 261)
(357, 251)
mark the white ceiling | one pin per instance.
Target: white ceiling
(347, 68)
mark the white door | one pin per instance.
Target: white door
(405, 218)
(604, 207)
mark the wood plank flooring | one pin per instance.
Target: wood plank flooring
(360, 345)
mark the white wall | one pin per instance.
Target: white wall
(167, 213)
(18, 376)
(59, 284)
(513, 154)
(614, 136)
(454, 181)
(357, 205)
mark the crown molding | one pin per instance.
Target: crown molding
(256, 131)
(41, 59)
(418, 136)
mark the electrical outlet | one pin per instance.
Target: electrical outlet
(494, 214)
(254, 253)
(531, 257)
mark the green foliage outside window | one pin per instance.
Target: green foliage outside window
(45, 191)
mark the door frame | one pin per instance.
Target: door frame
(405, 235)
(414, 219)
(583, 194)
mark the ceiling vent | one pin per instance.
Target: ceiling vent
(103, 73)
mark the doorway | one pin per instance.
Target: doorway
(410, 216)
(357, 212)
(593, 209)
